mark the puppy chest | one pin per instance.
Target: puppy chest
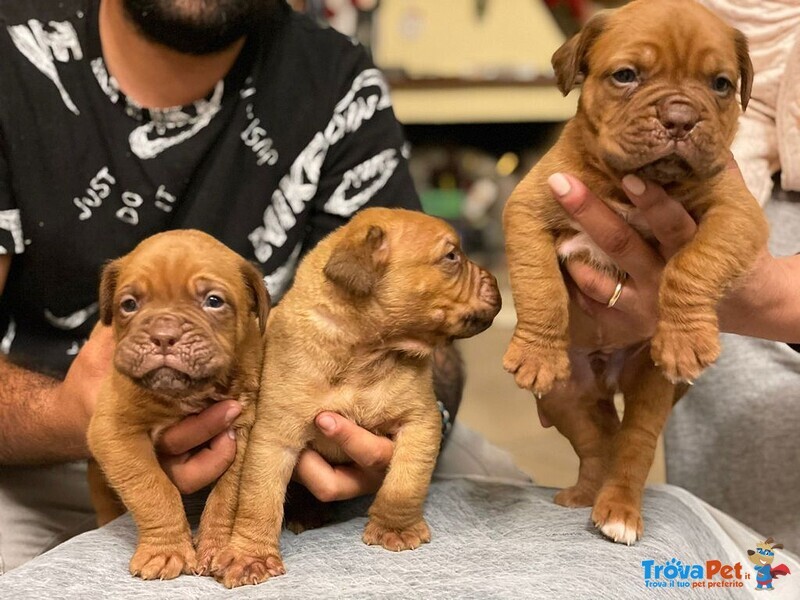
(576, 244)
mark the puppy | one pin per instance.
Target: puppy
(658, 101)
(355, 335)
(188, 316)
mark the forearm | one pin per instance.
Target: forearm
(448, 378)
(767, 303)
(35, 428)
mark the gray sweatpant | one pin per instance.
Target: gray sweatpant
(734, 439)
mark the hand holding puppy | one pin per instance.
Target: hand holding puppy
(672, 227)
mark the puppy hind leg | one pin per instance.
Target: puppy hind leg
(648, 401)
(302, 510)
(396, 521)
(583, 412)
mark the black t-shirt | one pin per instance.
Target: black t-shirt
(297, 137)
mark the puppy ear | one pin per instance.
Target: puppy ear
(254, 280)
(745, 67)
(777, 546)
(108, 287)
(569, 61)
(357, 262)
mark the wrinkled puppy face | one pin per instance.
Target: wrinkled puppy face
(659, 88)
(411, 265)
(180, 304)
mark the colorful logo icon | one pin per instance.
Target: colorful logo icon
(763, 557)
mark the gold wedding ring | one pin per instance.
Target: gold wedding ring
(615, 296)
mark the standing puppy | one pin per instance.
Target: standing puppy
(658, 101)
(188, 316)
(355, 335)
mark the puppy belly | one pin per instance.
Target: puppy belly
(331, 452)
(581, 247)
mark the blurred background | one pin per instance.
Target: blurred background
(472, 84)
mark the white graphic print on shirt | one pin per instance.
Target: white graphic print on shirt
(300, 184)
(377, 169)
(8, 338)
(42, 47)
(171, 126)
(11, 221)
(278, 281)
(72, 321)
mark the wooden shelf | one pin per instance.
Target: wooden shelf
(462, 66)
(501, 100)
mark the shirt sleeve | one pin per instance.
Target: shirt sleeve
(367, 165)
(11, 238)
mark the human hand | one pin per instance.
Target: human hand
(371, 455)
(191, 471)
(636, 310)
(82, 382)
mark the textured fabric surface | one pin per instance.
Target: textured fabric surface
(733, 439)
(491, 539)
(41, 507)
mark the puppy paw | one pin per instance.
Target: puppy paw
(535, 367)
(409, 538)
(682, 354)
(617, 515)
(297, 524)
(208, 547)
(233, 567)
(575, 497)
(163, 560)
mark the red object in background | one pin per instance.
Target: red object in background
(579, 9)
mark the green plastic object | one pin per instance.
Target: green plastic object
(445, 204)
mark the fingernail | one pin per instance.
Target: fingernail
(326, 422)
(559, 184)
(233, 412)
(231, 434)
(633, 184)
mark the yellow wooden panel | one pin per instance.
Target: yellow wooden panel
(482, 105)
(447, 38)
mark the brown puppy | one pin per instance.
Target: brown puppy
(188, 316)
(659, 101)
(355, 335)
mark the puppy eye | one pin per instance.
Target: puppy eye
(129, 305)
(624, 76)
(451, 256)
(213, 301)
(722, 85)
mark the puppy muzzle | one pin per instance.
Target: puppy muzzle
(488, 301)
(167, 353)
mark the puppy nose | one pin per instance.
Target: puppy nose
(678, 118)
(164, 332)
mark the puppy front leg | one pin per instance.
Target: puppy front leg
(537, 354)
(107, 504)
(128, 459)
(729, 237)
(220, 510)
(253, 552)
(395, 517)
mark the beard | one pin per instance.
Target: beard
(196, 26)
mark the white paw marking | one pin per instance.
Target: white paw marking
(620, 532)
